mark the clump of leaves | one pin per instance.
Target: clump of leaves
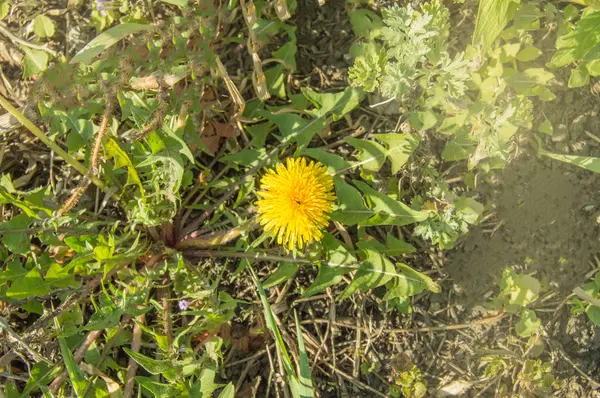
(588, 300)
(580, 46)
(451, 214)
(410, 384)
(537, 376)
(518, 292)
(478, 103)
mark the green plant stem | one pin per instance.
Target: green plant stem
(51, 144)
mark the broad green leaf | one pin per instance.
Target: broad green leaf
(35, 61)
(376, 270)
(527, 17)
(397, 247)
(593, 54)
(529, 53)
(593, 313)
(351, 208)
(305, 385)
(285, 271)
(294, 127)
(259, 133)
(579, 77)
(528, 323)
(287, 53)
(228, 391)
(207, 381)
(43, 26)
(334, 104)
(159, 390)
(154, 366)
(78, 380)
(593, 67)
(524, 291)
(492, 17)
(415, 277)
(335, 163)
(387, 210)
(339, 260)
(275, 80)
(41, 375)
(107, 39)
(245, 157)
(546, 127)
(399, 147)
(30, 285)
(365, 23)
(4, 8)
(170, 169)
(16, 242)
(13, 271)
(113, 150)
(427, 118)
(371, 155)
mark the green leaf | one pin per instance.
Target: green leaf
(593, 67)
(428, 119)
(43, 26)
(579, 77)
(546, 127)
(30, 285)
(492, 17)
(13, 271)
(154, 366)
(4, 8)
(207, 381)
(585, 162)
(107, 39)
(351, 209)
(228, 391)
(287, 53)
(330, 272)
(593, 313)
(365, 23)
(285, 271)
(387, 210)
(371, 155)
(397, 247)
(305, 385)
(76, 375)
(41, 375)
(399, 147)
(279, 343)
(413, 278)
(524, 291)
(334, 104)
(159, 390)
(178, 3)
(528, 323)
(376, 270)
(529, 53)
(113, 150)
(17, 242)
(593, 54)
(245, 157)
(275, 80)
(335, 163)
(35, 62)
(294, 127)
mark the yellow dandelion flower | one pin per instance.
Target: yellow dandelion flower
(296, 199)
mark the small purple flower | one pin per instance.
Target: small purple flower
(183, 305)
